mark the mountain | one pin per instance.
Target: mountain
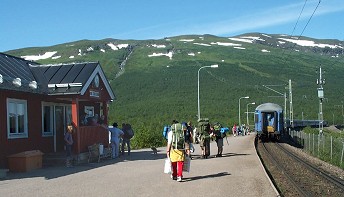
(155, 81)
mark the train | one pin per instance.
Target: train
(269, 122)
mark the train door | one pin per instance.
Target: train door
(257, 121)
(264, 122)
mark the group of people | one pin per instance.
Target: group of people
(118, 139)
(240, 130)
(180, 139)
(90, 120)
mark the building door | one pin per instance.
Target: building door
(60, 128)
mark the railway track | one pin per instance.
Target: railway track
(292, 189)
(333, 179)
(294, 176)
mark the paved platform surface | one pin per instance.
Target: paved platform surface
(238, 173)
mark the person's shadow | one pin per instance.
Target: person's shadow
(206, 176)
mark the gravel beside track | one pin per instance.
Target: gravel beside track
(310, 181)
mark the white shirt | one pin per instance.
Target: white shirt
(115, 134)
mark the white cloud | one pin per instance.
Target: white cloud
(270, 17)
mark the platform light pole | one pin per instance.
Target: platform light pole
(245, 97)
(199, 109)
(247, 111)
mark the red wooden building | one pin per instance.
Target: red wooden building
(37, 102)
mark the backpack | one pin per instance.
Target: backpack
(204, 128)
(224, 130)
(165, 131)
(178, 139)
(130, 132)
(217, 128)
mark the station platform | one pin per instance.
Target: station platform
(238, 173)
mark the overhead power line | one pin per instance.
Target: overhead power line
(298, 19)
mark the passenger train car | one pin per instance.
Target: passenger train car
(269, 121)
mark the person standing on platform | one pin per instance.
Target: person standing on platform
(116, 134)
(176, 150)
(69, 142)
(128, 134)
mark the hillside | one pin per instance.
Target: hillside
(158, 81)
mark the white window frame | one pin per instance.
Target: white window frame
(52, 119)
(17, 135)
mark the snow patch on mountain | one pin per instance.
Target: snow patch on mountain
(169, 54)
(56, 57)
(202, 44)
(186, 40)
(46, 55)
(241, 40)
(310, 43)
(225, 44)
(158, 46)
(118, 46)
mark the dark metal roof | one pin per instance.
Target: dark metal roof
(66, 78)
(72, 78)
(52, 79)
(13, 67)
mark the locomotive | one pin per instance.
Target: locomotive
(269, 122)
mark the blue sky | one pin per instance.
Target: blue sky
(31, 23)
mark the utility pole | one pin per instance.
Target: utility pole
(291, 116)
(321, 82)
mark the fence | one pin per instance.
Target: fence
(323, 146)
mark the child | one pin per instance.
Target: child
(69, 142)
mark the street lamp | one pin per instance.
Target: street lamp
(247, 111)
(199, 110)
(246, 97)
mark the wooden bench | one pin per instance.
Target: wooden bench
(95, 152)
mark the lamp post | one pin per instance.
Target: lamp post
(199, 109)
(245, 97)
(247, 111)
